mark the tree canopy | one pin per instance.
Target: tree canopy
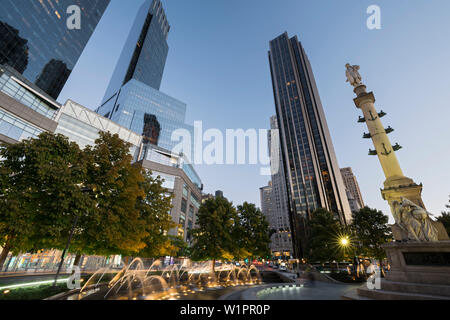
(325, 233)
(253, 232)
(48, 181)
(372, 230)
(40, 192)
(213, 236)
(225, 232)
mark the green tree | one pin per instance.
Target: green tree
(325, 232)
(445, 218)
(132, 211)
(372, 231)
(154, 209)
(178, 248)
(41, 193)
(46, 182)
(115, 226)
(213, 236)
(253, 235)
(15, 226)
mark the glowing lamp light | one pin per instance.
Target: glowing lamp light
(344, 242)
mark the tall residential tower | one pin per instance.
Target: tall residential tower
(313, 178)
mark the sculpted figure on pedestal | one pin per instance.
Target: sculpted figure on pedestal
(414, 221)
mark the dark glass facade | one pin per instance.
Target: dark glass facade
(313, 177)
(152, 129)
(53, 77)
(13, 48)
(133, 99)
(148, 112)
(144, 55)
(36, 41)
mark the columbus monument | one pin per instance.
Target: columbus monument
(420, 255)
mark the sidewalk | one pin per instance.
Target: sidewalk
(287, 274)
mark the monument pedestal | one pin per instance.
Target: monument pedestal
(419, 271)
(419, 262)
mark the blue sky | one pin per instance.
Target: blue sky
(218, 65)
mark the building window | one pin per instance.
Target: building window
(15, 128)
(26, 97)
(185, 190)
(183, 205)
(169, 181)
(195, 201)
(182, 221)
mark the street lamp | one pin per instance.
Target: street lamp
(344, 241)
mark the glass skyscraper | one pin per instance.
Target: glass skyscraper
(148, 112)
(36, 41)
(313, 177)
(132, 98)
(144, 55)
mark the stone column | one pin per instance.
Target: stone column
(396, 185)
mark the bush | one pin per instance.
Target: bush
(46, 290)
(34, 293)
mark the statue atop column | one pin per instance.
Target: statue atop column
(353, 75)
(417, 256)
(412, 221)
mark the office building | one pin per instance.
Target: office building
(144, 54)
(147, 112)
(83, 126)
(208, 196)
(313, 178)
(281, 240)
(36, 41)
(181, 180)
(265, 194)
(132, 98)
(219, 194)
(25, 111)
(351, 184)
(353, 203)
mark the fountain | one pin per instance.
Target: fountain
(157, 281)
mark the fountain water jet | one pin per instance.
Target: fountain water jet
(135, 281)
